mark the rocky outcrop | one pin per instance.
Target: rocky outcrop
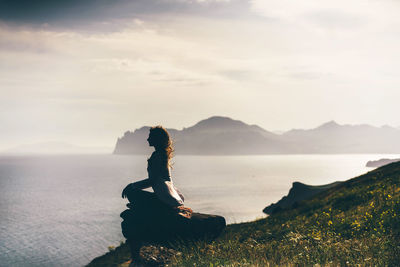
(380, 162)
(162, 227)
(297, 193)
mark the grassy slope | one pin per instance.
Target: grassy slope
(354, 223)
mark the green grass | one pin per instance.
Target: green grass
(354, 224)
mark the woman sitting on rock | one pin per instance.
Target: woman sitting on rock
(153, 215)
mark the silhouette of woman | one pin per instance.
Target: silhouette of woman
(165, 200)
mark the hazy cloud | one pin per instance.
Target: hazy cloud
(81, 13)
(328, 13)
(332, 19)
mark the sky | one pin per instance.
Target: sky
(86, 71)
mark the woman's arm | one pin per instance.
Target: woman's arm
(141, 184)
(136, 185)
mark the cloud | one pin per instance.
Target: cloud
(81, 13)
(328, 13)
(174, 62)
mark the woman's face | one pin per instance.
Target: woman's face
(150, 139)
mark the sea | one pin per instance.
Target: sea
(63, 210)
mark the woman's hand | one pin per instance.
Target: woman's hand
(126, 190)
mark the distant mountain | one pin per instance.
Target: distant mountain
(224, 136)
(54, 148)
(332, 137)
(380, 162)
(215, 135)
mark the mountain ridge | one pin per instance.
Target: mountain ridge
(218, 135)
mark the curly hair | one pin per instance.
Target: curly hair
(162, 141)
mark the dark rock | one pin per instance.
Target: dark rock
(297, 193)
(163, 226)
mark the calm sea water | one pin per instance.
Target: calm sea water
(64, 210)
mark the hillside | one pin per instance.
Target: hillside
(297, 193)
(225, 136)
(354, 223)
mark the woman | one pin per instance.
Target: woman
(158, 169)
(158, 209)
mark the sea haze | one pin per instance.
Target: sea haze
(64, 210)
